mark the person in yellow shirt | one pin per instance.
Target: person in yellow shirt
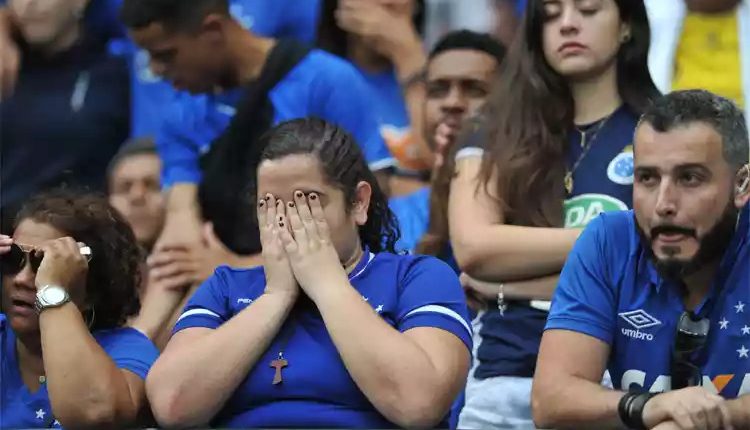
(701, 44)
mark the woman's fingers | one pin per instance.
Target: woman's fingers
(297, 227)
(316, 208)
(289, 242)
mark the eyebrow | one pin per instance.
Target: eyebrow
(686, 166)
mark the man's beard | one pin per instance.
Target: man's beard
(710, 248)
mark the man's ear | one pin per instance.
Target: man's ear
(213, 28)
(742, 187)
(362, 196)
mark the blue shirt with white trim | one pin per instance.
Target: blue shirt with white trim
(610, 290)
(317, 390)
(321, 85)
(128, 348)
(602, 182)
(278, 18)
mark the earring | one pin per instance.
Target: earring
(626, 38)
(746, 171)
(90, 323)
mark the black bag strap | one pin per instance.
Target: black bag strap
(229, 168)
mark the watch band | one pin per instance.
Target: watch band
(43, 302)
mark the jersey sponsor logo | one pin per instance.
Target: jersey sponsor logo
(621, 168)
(639, 320)
(580, 210)
(715, 385)
(244, 300)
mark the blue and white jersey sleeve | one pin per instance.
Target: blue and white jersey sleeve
(431, 296)
(343, 91)
(209, 306)
(129, 349)
(585, 300)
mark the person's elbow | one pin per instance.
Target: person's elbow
(98, 413)
(417, 410)
(168, 404)
(470, 253)
(543, 401)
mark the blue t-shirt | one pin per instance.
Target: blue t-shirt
(610, 290)
(321, 85)
(389, 107)
(602, 182)
(413, 214)
(278, 18)
(317, 391)
(128, 348)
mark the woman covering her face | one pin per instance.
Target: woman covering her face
(69, 277)
(335, 330)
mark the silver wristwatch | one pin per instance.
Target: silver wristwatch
(50, 296)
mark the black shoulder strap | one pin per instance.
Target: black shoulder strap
(229, 168)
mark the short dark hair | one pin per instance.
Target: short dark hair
(174, 14)
(466, 39)
(137, 146)
(115, 268)
(682, 108)
(344, 167)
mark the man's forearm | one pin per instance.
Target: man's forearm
(575, 404)
(739, 409)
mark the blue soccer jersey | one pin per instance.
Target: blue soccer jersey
(406, 291)
(278, 18)
(602, 182)
(610, 290)
(321, 85)
(128, 348)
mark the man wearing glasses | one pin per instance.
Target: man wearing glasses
(660, 296)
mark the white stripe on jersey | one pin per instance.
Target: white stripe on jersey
(441, 310)
(192, 312)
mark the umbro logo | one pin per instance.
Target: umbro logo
(639, 319)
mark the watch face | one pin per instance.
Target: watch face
(54, 295)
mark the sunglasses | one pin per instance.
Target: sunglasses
(13, 262)
(690, 340)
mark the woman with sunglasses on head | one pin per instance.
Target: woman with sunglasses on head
(335, 330)
(558, 152)
(66, 359)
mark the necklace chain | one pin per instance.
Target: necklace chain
(586, 144)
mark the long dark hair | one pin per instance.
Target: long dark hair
(344, 167)
(333, 39)
(115, 269)
(531, 113)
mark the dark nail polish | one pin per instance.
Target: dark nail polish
(281, 218)
(313, 196)
(290, 204)
(281, 224)
(261, 203)
(298, 194)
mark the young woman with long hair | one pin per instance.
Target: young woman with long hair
(558, 152)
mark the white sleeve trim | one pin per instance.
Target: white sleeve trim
(444, 311)
(470, 152)
(193, 312)
(385, 163)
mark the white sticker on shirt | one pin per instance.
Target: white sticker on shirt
(580, 210)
